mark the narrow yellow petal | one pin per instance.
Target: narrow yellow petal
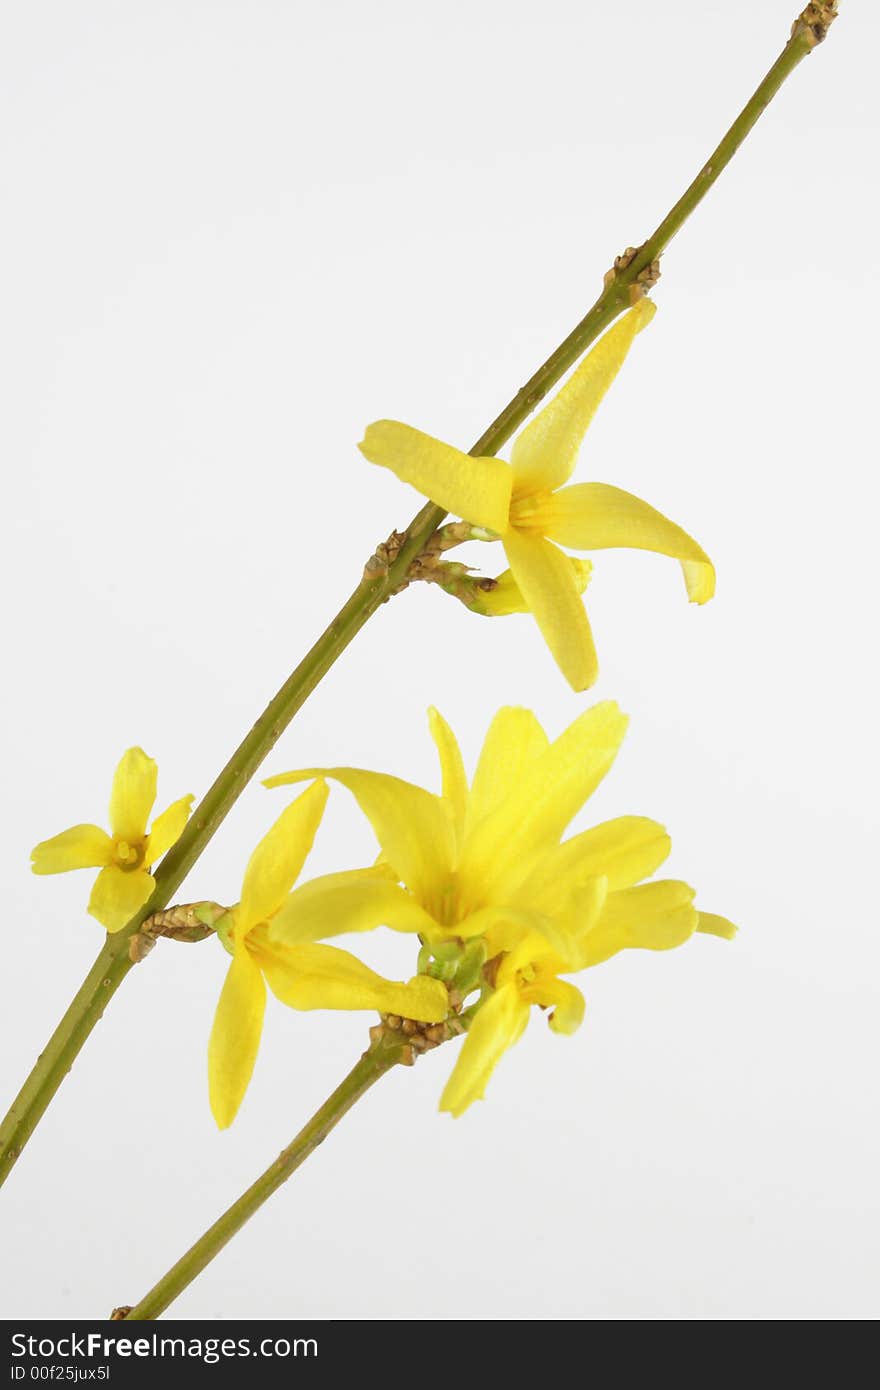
(714, 925)
(549, 791)
(355, 901)
(452, 773)
(545, 452)
(498, 1025)
(623, 851)
(476, 489)
(413, 827)
(506, 598)
(167, 829)
(595, 516)
(117, 895)
(323, 977)
(80, 847)
(564, 999)
(275, 864)
(513, 740)
(235, 1037)
(545, 578)
(133, 795)
(653, 917)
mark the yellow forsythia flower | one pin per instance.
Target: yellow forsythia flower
(487, 861)
(305, 976)
(525, 503)
(127, 854)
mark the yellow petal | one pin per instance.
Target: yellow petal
(275, 864)
(714, 925)
(506, 597)
(653, 916)
(452, 773)
(476, 489)
(80, 847)
(132, 796)
(167, 829)
(564, 999)
(565, 943)
(549, 791)
(323, 977)
(595, 516)
(545, 452)
(513, 740)
(498, 1025)
(412, 825)
(235, 1037)
(623, 851)
(545, 578)
(506, 928)
(356, 901)
(117, 895)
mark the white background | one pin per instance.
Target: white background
(235, 233)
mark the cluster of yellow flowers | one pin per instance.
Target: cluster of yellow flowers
(502, 905)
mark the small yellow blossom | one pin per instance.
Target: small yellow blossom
(526, 505)
(486, 862)
(125, 856)
(305, 976)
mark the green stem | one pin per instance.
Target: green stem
(112, 965)
(375, 1063)
(53, 1064)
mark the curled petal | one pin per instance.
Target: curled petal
(595, 516)
(235, 1037)
(545, 578)
(498, 1025)
(80, 847)
(413, 827)
(275, 864)
(323, 977)
(476, 489)
(545, 452)
(167, 829)
(564, 999)
(118, 895)
(133, 795)
(356, 901)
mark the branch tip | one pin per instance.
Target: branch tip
(814, 21)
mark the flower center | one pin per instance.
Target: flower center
(445, 910)
(530, 513)
(128, 856)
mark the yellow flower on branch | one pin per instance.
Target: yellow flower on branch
(652, 916)
(305, 976)
(526, 504)
(485, 863)
(125, 856)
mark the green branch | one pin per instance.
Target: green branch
(380, 1058)
(632, 273)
